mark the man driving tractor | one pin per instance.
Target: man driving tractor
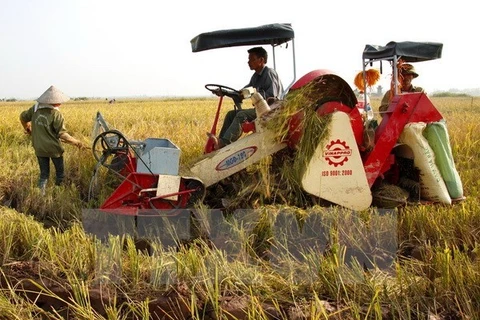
(265, 80)
(407, 74)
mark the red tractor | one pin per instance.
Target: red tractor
(342, 169)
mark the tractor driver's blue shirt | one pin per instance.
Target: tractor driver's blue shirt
(267, 83)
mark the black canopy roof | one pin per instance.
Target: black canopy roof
(272, 34)
(409, 51)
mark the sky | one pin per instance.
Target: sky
(117, 48)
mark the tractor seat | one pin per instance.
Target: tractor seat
(248, 126)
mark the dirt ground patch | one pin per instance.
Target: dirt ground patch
(52, 297)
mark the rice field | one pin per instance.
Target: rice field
(276, 262)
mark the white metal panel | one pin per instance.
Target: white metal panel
(335, 172)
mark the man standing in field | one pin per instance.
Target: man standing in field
(44, 122)
(266, 81)
(407, 74)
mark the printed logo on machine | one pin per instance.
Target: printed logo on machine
(236, 158)
(337, 153)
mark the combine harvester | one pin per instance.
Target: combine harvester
(342, 169)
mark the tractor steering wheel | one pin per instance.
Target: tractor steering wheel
(221, 90)
(107, 145)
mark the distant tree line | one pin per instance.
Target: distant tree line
(14, 100)
(450, 95)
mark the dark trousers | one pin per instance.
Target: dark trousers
(232, 124)
(44, 163)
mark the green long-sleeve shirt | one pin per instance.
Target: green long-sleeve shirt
(47, 126)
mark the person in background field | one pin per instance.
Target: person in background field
(266, 81)
(407, 74)
(46, 125)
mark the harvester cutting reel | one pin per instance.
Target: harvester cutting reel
(145, 184)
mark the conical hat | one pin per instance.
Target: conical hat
(53, 96)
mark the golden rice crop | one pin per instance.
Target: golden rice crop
(438, 244)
